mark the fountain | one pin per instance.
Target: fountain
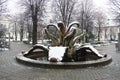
(64, 51)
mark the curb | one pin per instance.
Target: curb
(63, 65)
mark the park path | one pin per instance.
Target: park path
(10, 69)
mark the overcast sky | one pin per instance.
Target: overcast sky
(101, 3)
(14, 7)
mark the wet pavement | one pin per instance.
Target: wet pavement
(10, 69)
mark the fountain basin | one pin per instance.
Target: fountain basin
(63, 65)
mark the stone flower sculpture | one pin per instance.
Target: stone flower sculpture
(64, 47)
(67, 36)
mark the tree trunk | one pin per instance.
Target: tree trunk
(99, 35)
(21, 34)
(15, 32)
(29, 33)
(29, 36)
(34, 33)
(99, 32)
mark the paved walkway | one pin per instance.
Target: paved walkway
(12, 70)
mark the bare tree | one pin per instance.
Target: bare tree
(17, 27)
(2, 30)
(2, 6)
(115, 7)
(14, 20)
(21, 23)
(100, 21)
(86, 17)
(28, 25)
(63, 10)
(36, 9)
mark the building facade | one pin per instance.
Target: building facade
(107, 33)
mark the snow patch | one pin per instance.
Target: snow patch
(94, 50)
(57, 52)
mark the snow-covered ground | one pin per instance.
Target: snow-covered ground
(4, 49)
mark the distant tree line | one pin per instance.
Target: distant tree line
(3, 30)
(2, 10)
(38, 11)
